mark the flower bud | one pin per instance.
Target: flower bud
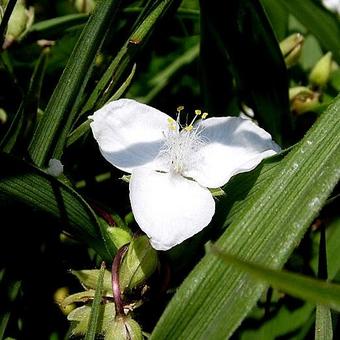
(119, 236)
(138, 264)
(303, 99)
(80, 318)
(19, 23)
(124, 328)
(85, 6)
(89, 278)
(291, 48)
(3, 116)
(321, 71)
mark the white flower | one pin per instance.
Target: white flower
(332, 5)
(171, 167)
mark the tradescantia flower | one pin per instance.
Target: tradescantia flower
(172, 166)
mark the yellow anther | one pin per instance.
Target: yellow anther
(180, 108)
(171, 120)
(172, 127)
(198, 112)
(188, 128)
(204, 115)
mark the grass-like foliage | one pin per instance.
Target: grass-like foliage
(65, 211)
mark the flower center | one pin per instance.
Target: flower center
(181, 142)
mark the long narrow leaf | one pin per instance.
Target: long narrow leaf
(54, 127)
(238, 43)
(95, 307)
(323, 323)
(303, 287)
(213, 300)
(125, 57)
(25, 118)
(22, 182)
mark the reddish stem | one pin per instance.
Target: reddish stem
(117, 295)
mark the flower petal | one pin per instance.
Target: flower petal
(130, 134)
(231, 145)
(168, 207)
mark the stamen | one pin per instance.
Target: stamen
(178, 120)
(204, 115)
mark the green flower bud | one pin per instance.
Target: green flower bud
(124, 328)
(89, 278)
(3, 116)
(19, 23)
(291, 48)
(138, 264)
(321, 71)
(119, 236)
(302, 99)
(84, 6)
(80, 317)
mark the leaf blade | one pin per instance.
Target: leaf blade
(50, 136)
(22, 182)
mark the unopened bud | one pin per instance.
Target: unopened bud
(19, 23)
(303, 99)
(119, 236)
(89, 278)
(321, 71)
(3, 116)
(138, 264)
(85, 6)
(291, 48)
(124, 328)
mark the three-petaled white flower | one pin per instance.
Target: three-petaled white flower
(172, 166)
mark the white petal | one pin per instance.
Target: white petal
(168, 207)
(130, 134)
(231, 145)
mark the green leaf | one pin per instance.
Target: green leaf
(213, 300)
(125, 57)
(303, 287)
(238, 40)
(21, 127)
(50, 136)
(318, 21)
(287, 320)
(81, 315)
(162, 78)
(4, 20)
(138, 264)
(323, 323)
(25, 183)
(278, 17)
(95, 307)
(49, 28)
(89, 278)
